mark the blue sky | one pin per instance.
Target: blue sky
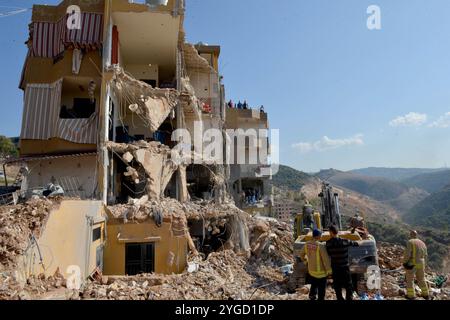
(342, 96)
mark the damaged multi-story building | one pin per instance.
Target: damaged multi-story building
(106, 84)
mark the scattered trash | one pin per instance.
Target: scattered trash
(287, 269)
(192, 267)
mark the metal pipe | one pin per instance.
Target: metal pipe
(4, 174)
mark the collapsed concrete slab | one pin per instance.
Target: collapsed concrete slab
(152, 105)
(157, 160)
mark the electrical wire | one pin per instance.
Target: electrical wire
(15, 11)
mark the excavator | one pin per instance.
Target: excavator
(361, 257)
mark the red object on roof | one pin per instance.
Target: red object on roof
(115, 46)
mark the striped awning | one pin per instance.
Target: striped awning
(51, 38)
(41, 120)
(41, 110)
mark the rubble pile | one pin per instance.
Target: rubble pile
(390, 256)
(255, 272)
(218, 277)
(271, 241)
(17, 224)
(35, 287)
(393, 285)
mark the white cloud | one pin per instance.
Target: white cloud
(326, 143)
(442, 122)
(412, 119)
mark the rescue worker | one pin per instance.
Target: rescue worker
(308, 212)
(414, 263)
(315, 255)
(357, 221)
(337, 249)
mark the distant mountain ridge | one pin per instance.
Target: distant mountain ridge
(380, 189)
(395, 174)
(430, 182)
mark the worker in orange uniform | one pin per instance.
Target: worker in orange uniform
(414, 264)
(314, 254)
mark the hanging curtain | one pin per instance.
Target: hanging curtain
(41, 119)
(41, 110)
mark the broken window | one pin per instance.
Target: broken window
(127, 186)
(171, 190)
(96, 234)
(82, 108)
(139, 258)
(200, 182)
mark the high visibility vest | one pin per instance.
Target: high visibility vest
(414, 256)
(316, 272)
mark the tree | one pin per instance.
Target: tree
(7, 148)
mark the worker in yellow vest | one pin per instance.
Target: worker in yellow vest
(414, 264)
(314, 254)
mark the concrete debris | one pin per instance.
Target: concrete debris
(152, 105)
(156, 159)
(271, 241)
(17, 224)
(393, 276)
(252, 264)
(36, 287)
(127, 157)
(194, 61)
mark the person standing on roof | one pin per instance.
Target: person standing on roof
(239, 105)
(337, 249)
(245, 105)
(314, 254)
(414, 260)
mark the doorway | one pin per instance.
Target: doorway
(139, 258)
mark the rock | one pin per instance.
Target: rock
(303, 290)
(23, 295)
(127, 157)
(390, 290)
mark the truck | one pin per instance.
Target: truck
(361, 258)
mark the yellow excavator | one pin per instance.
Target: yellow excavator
(361, 257)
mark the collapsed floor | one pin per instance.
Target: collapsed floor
(230, 272)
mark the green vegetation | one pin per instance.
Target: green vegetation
(437, 241)
(289, 178)
(433, 211)
(7, 148)
(431, 217)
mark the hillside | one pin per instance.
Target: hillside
(352, 202)
(433, 211)
(430, 182)
(382, 217)
(394, 174)
(289, 178)
(377, 188)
